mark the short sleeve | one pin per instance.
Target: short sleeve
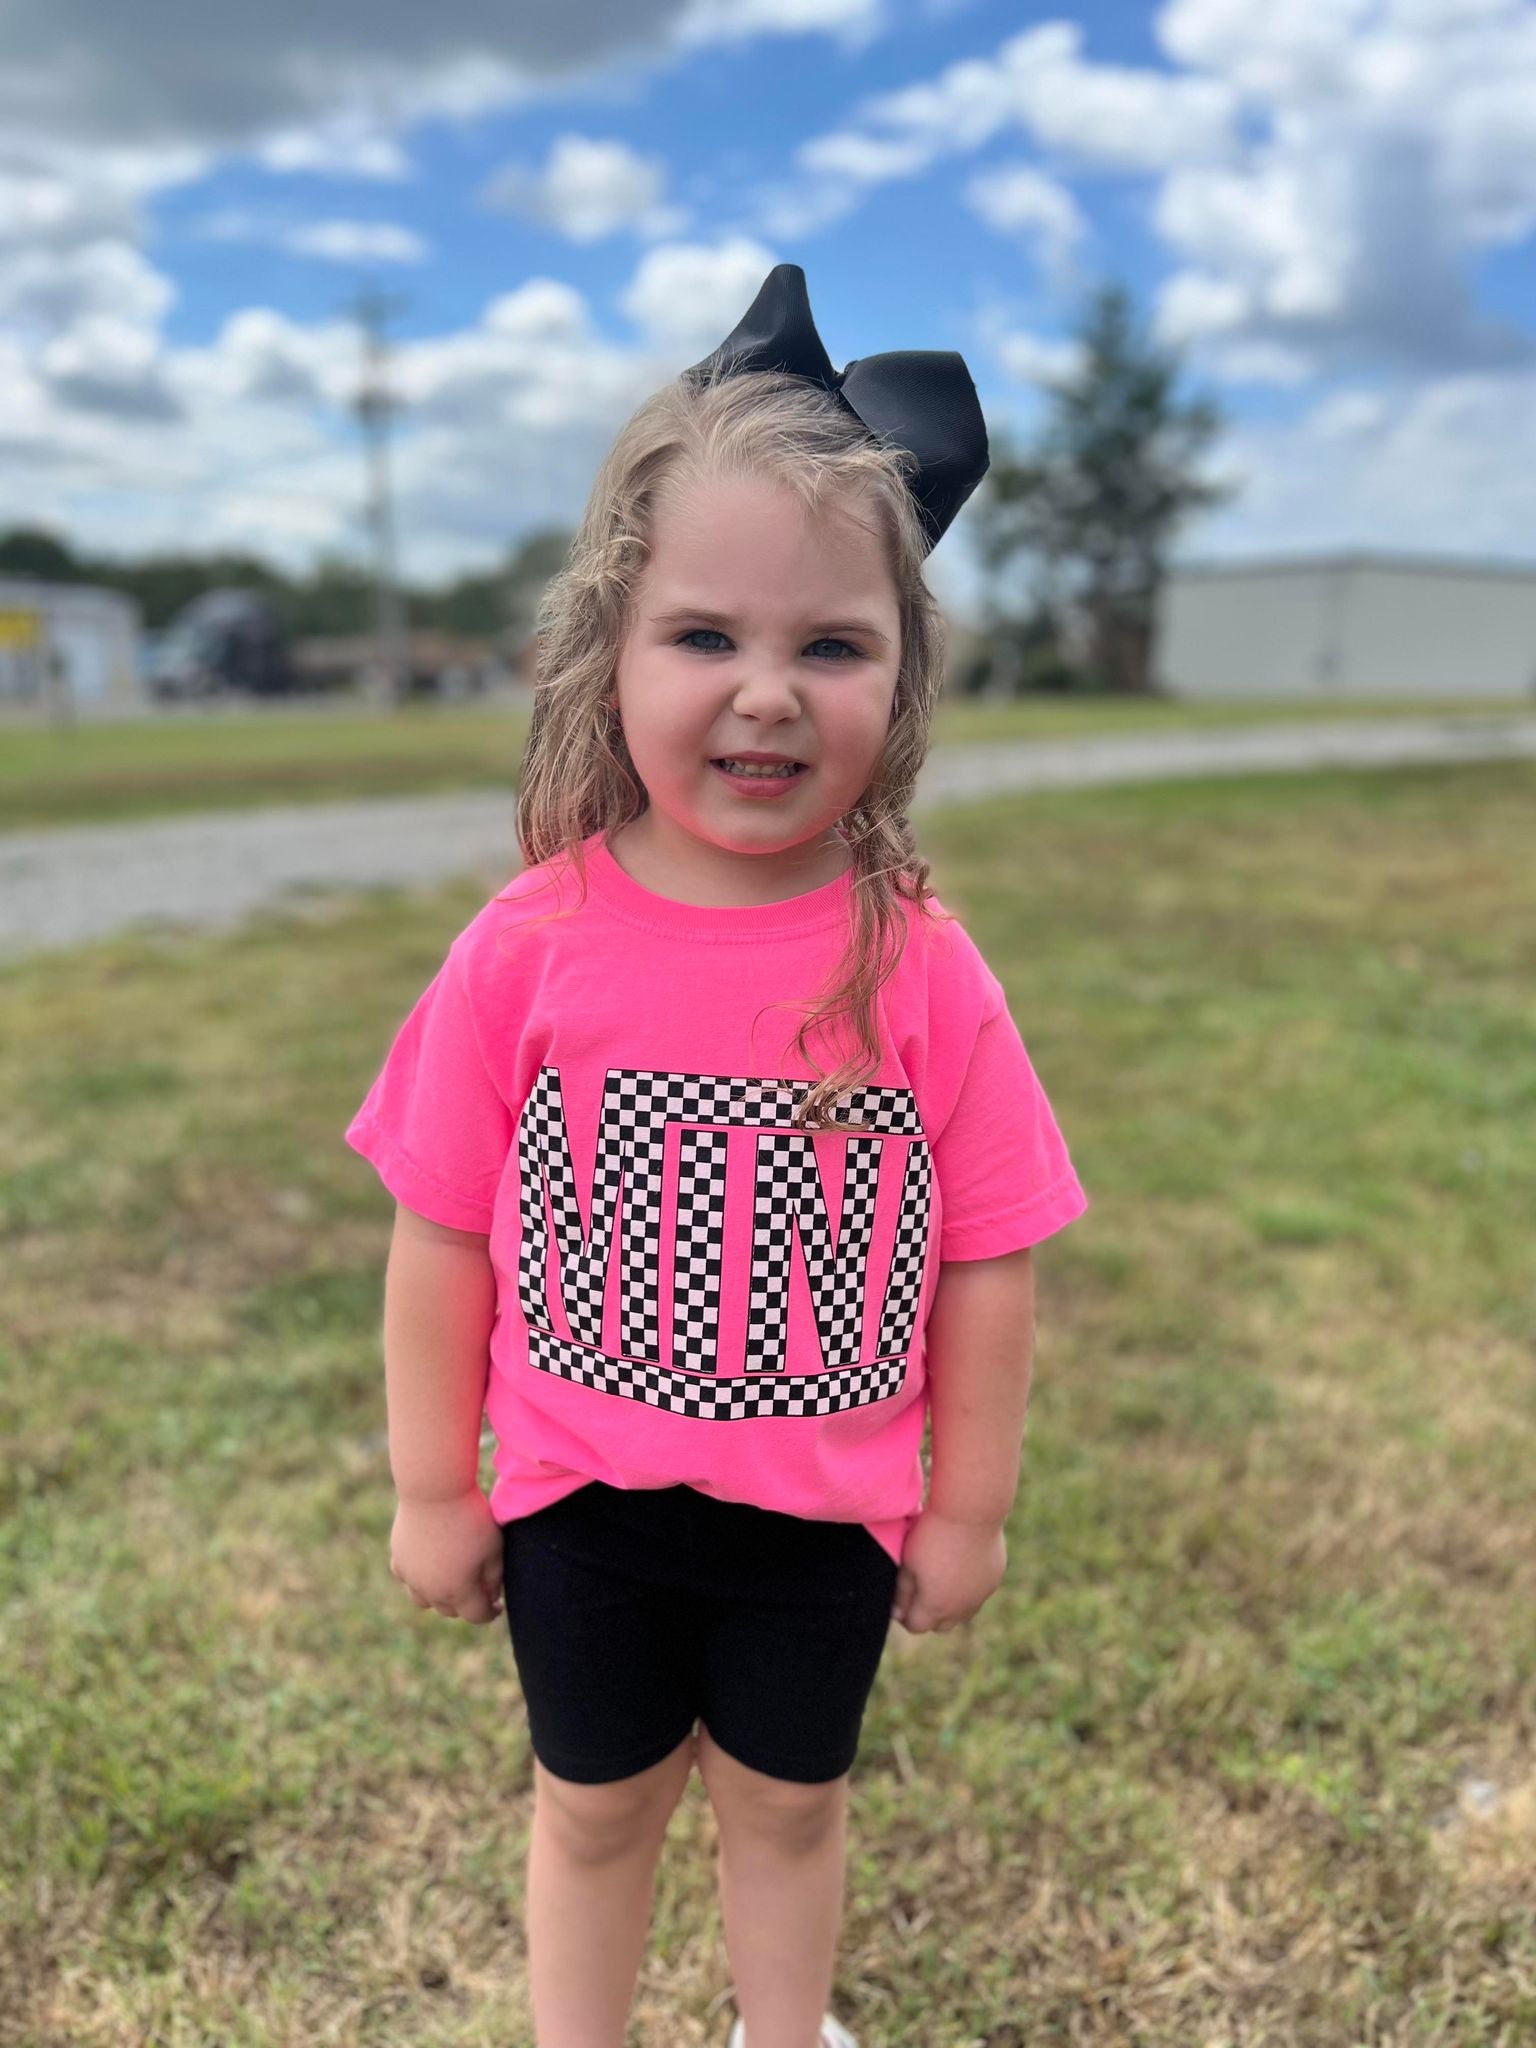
(433, 1124)
(1005, 1177)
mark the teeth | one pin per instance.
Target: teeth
(758, 768)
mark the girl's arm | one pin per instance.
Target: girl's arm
(980, 1350)
(439, 1309)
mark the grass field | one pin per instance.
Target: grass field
(1240, 1753)
(100, 773)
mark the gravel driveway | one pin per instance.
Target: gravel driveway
(71, 884)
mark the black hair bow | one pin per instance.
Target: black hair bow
(922, 399)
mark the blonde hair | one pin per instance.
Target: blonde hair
(578, 777)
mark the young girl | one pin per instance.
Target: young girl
(706, 1285)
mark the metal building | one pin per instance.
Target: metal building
(1349, 625)
(68, 645)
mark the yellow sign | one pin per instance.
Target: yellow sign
(20, 630)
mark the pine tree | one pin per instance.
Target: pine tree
(1100, 495)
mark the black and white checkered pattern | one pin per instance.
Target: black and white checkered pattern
(788, 1195)
(904, 1284)
(700, 1239)
(789, 1192)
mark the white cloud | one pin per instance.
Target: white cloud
(688, 296)
(357, 241)
(1033, 359)
(1271, 237)
(1020, 200)
(500, 425)
(45, 293)
(1265, 53)
(1319, 175)
(262, 358)
(588, 189)
(1103, 116)
(102, 106)
(1443, 466)
(862, 159)
(1260, 362)
(345, 147)
(108, 365)
(1400, 135)
(1347, 414)
(41, 205)
(1322, 170)
(335, 87)
(787, 211)
(333, 241)
(1195, 303)
(1110, 116)
(1094, 117)
(56, 194)
(854, 22)
(1023, 355)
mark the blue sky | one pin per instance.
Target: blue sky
(1329, 209)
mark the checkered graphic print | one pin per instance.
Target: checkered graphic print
(789, 1193)
(905, 1283)
(627, 1191)
(700, 1240)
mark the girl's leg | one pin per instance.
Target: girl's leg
(783, 1856)
(592, 1859)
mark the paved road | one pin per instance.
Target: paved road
(66, 886)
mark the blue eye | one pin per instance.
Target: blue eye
(850, 653)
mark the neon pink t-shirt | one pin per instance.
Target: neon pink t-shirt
(690, 1290)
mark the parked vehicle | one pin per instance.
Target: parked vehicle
(223, 640)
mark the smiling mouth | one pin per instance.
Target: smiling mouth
(759, 771)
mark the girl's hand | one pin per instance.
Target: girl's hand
(447, 1555)
(948, 1571)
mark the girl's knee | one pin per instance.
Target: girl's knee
(612, 1818)
(793, 1815)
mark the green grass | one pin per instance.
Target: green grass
(99, 774)
(1191, 1776)
(105, 773)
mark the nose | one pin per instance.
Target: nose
(767, 691)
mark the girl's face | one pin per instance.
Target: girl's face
(756, 629)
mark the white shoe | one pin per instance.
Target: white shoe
(833, 2035)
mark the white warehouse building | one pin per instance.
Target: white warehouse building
(79, 641)
(1349, 625)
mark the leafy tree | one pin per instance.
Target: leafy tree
(29, 551)
(475, 605)
(335, 597)
(503, 600)
(1098, 498)
(541, 554)
(164, 583)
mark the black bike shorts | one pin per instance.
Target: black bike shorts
(636, 1612)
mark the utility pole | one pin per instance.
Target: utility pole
(374, 405)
